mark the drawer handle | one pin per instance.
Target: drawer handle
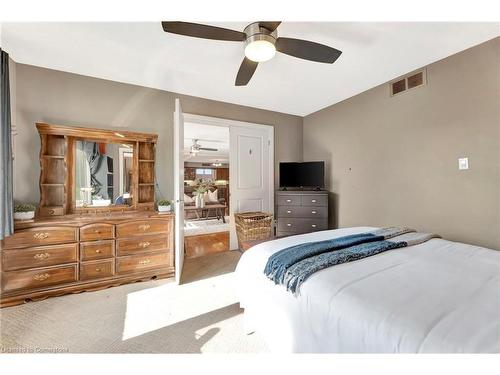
(41, 256)
(313, 200)
(288, 224)
(313, 212)
(145, 261)
(40, 235)
(144, 244)
(97, 231)
(313, 225)
(97, 270)
(98, 251)
(288, 200)
(41, 276)
(288, 212)
(144, 227)
(52, 212)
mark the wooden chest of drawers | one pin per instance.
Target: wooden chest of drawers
(301, 212)
(56, 256)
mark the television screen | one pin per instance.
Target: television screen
(307, 174)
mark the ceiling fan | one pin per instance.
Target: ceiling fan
(196, 147)
(261, 43)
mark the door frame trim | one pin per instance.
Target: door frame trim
(217, 121)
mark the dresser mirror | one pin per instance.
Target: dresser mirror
(103, 173)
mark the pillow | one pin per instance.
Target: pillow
(188, 199)
(212, 196)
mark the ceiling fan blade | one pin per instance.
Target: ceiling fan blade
(246, 71)
(270, 25)
(207, 140)
(202, 31)
(304, 49)
(208, 149)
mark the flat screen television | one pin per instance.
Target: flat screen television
(309, 174)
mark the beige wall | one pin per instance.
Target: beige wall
(390, 161)
(70, 99)
(394, 160)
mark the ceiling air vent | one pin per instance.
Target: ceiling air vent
(411, 81)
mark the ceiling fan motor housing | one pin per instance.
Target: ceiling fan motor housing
(256, 32)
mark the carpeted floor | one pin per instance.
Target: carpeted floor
(200, 316)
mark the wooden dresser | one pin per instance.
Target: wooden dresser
(301, 212)
(55, 256)
(76, 243)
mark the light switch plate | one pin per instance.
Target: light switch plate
(463, 163)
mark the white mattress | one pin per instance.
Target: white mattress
(437, 297)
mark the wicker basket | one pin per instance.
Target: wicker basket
(252, 226)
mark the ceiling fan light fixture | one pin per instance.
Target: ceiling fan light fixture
(260, 48)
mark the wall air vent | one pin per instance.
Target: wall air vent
(408, 82)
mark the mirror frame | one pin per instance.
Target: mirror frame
(111, 207)
(73, 134)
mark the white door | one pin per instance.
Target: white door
(251, 172)
(179, 189)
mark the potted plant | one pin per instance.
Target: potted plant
(164, 205)
(202, 187)
(24, 211)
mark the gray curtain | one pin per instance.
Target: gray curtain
(6, 183)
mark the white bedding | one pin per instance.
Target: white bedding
(438, 297)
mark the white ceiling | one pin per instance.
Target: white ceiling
(142, 54)
(208, 136)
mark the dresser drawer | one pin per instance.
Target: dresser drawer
(101, 231)
(97, 269)
(130, 246)
(315, 200)
(289, 200)
(139, 228)
(42, 256)
(301, 211)
(137, 263)
(41, 236)
(290, 225)
(51, 211)
(39, 278)
(97, 250)
(301, 225)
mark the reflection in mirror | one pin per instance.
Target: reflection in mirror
(103, 174)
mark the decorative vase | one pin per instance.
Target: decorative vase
(24, 215)
(197, 201)
(202, 201)
(164, 208)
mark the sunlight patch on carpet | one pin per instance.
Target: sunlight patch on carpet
(152, 309)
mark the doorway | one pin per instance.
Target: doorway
(206, 189)
(250, 165)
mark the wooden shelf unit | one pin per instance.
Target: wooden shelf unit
(53, 174)
(146, 175)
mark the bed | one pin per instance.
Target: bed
(436, 297)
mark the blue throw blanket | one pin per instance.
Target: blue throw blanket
(300, 272)
(280, 261)
(295, 275)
